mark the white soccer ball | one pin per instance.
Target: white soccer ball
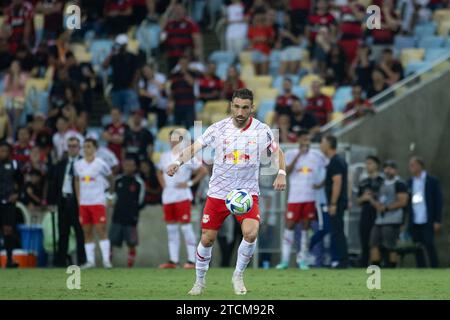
(239, 201)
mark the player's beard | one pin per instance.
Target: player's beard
(241, 121)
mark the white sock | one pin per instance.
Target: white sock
(90, 252)
(304, 244)
(203, 257)
(174, 242)
(245, 253)
(288, 240)
(189, 239)
(105, 247)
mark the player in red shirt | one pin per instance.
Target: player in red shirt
(319, 104)
(114, 133)
(261, 37)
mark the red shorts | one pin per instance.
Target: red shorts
(94, 214)
(178, 211)
(215, 212)
(301, 211)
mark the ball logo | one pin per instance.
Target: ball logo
(205, 218)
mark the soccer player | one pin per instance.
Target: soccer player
(92, 175)
(130, 193)
(177, 197)
(240, 142)
(302, 166)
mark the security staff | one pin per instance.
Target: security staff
(67, 205)
(10, 180)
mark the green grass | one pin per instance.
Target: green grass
(262, 284)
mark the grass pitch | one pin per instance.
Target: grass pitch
(262, 284)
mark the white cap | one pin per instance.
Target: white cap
(122, 39)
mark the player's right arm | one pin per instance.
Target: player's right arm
(185, 156)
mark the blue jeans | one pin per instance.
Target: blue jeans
(127, 100)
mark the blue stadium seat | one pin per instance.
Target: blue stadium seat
(106, 119)
(278, 81)
(435, 53)
(199, 106)
(161, 146)
(343, 93)
(402, 42)
(431, 42)
(222, 68)
(425, 30)
(222, 57)
(100, 49)
(264, 107)
(193, 133)
(300, 92)
(148, 35)
(339, 104)
(415, 66)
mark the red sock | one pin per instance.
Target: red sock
(131, 257)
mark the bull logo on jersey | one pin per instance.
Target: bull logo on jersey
(304, 170)
(205, 218)
(87, 179)
(237, 157)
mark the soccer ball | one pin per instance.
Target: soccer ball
(239, 201)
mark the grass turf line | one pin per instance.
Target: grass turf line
(271, 284)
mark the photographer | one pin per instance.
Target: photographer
(124, 76)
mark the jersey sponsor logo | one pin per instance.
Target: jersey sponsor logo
(236, 157)
(305, 170)
(87, 179)
(205, 218)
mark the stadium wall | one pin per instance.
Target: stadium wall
(418, 122)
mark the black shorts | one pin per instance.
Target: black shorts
(385, 236)
(7, 214)
(118, 233)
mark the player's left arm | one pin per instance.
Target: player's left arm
(280, 181)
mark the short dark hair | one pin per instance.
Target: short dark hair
(73, 138)
(374, 159)
(388, 50)
(243, 93)
(332, 141)
(287, 79)
(93, 141)
(419, 160)
(390, 163)
(302, 132)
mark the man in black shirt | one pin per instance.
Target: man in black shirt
(336, 192)
(10, 181)
(137, 138)
(130, 192)
(125, 66)
(368, 187)
(302, 120)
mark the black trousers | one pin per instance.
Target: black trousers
(424, 235)
(68, 217)
(366, 224)
(338, 239)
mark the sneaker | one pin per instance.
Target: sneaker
(238, 284)
(12, 265)
(197, 289)
(189, 265)
(282, 266)
(88, 265)
(303, 265)
(107, 265)
(168, 265)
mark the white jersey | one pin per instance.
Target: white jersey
(238, 154)
(92, 177)
(171, 193)
(304, 175)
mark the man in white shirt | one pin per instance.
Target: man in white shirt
(61, 137)
(426, 202)
(91, 174)
(240, 143)
(303, 165)
(177, 197)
